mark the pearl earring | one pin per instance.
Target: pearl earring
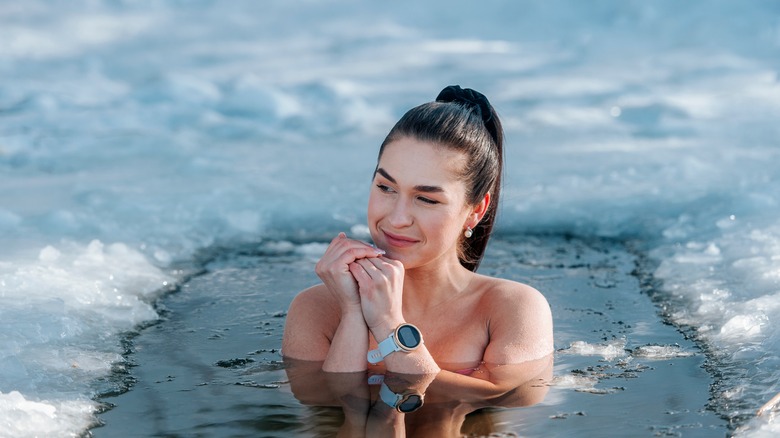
(468, 233)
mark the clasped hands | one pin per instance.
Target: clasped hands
(363, 280)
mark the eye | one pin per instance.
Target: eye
(384, 189)
(428, 201)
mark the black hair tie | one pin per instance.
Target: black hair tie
(472, 99)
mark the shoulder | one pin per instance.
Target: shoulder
(512, 296)
(519, 320)
(312, 305)
(312, 318)
(314, 296)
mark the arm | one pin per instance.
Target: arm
(518, 358)
(325, 323)
(513, 385)
(316, 330)
(380, 283)
(349, 344)
(311, 320)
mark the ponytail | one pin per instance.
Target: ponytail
(463, 120)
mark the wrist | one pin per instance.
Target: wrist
(352, 312)
(404, 338)
(384, 329)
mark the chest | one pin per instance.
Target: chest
(454, 338)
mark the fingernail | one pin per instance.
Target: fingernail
(378, 250)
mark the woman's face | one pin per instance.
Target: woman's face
(417, 206)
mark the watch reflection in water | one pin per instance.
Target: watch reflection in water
(448, 404)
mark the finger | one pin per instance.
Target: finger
(374, 267)
(340, 252)
(343, 236)
(339, 237)
(387, 266)
(379, 251)
(379, 264)
(345, 250)
(342, 239)
(392, 262)
(359, 274)
(332, 251)
(350, 250)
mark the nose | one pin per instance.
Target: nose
(401, 214)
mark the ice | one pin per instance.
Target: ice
(60, 318)
(134, 138)
(572, 381)
(660, 351)
(22, 417)
(609, 351)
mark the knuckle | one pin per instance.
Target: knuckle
(355, 253)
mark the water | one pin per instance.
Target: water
(212, 367)
(136, 138)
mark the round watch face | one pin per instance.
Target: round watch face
(408, 336)
(410, 403)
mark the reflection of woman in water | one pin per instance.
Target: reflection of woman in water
(413, 304)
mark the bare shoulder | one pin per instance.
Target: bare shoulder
(520, 321)
(314, 298)
(311, 321)
(312, 306)
(511, 295)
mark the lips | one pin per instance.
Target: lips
(398, 240)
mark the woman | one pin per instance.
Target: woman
(413, 304)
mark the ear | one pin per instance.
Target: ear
(478, 211)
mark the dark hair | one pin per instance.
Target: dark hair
(463, 120)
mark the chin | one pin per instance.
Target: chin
(395, 255)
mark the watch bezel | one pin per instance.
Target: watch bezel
(404, 398)
(404, 402)
(399, 342)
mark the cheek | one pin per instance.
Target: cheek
(377, 209)
(455, 226)
(444, 226)
(373, 208)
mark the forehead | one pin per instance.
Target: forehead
(422, 163)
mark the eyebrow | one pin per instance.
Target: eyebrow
(421, 188)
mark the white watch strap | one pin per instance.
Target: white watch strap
(399, 401)
(389, 397)
(376, 379)
(385, 347)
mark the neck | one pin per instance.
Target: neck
(429, 286)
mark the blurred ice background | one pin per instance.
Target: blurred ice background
(135, 135)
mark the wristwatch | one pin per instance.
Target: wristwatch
(405, 338)
(404, 402)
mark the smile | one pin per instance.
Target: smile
(398, 241)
